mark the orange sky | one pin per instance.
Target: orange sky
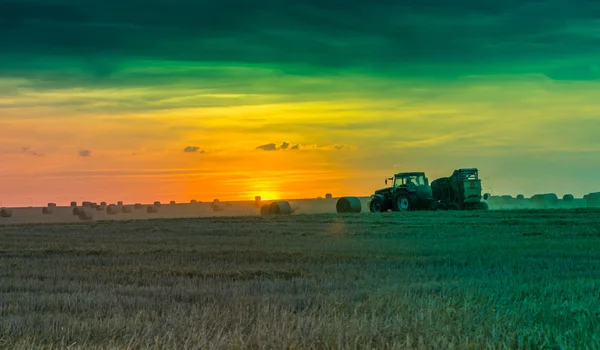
(526, 134)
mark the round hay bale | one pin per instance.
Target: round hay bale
(99, 208)
(152, 209)
(157, 204)
(5, 213)
(520, 197)
(51, 205)
(257, 198)
(551, 198)
(76, 211)
(280, 208)
(103, 204)
(193, 201)
(48, 210)
(172, 202)
(592, 199)
(120, 203)
(568, 198)
(86, 204)
(73, 204)
(138, 206)
(264, 209)
(348, 205)
(113, 209)
(86, 215)
(126, 210)
(328, 196)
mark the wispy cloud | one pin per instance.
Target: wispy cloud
(85, 153)
(28, 150)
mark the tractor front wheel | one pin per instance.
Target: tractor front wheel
(376, 205)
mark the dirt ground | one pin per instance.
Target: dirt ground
(241, 208)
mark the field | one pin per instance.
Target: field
(496, 279)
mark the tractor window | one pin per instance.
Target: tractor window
(415, 179)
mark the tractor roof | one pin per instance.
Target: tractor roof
(415, 173)
(467, 169)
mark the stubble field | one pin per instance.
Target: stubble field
(496, 279)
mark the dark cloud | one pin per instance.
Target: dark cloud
(85, 153)
(31, 152)
(268, 147)
(193, 149)
(97, 40)
(273, 146)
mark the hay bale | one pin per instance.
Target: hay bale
(348, 205)
(126, 210)
(103, 204)
(85, 215)
(264, 209)
(193, 201)
(568, 198)
(5, 213)
(152, 209)
(86, 204)
(76, 211)
(120, 203)
(138, 206)
(545, 199)
(51, 205)
(172, 202)
(99, 208)
(73, 204)
(113, 209)
(328, 196)
(520, 197)
(592, 199)
(280, 208)
(157, 204)
(48, 210)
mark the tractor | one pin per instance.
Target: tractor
(460, 191)
(409, 191)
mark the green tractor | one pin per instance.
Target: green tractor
(460, 191)
(409, 191)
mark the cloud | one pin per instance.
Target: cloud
(284, 145)
(268, 147)
(30, 151)
(295, 147)
(306, 37)
(193, 149)
(85, 153)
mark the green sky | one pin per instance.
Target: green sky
(173, 99)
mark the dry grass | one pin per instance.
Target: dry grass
(520, 279)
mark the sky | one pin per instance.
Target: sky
(193, 99)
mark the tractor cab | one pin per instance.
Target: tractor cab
(408, 179)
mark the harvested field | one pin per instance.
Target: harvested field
(516, 279)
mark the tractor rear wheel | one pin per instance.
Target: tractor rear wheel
(404, 202)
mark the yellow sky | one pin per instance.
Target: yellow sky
(517, 130)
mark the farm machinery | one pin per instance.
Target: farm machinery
(412, 191)
(461, 190)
